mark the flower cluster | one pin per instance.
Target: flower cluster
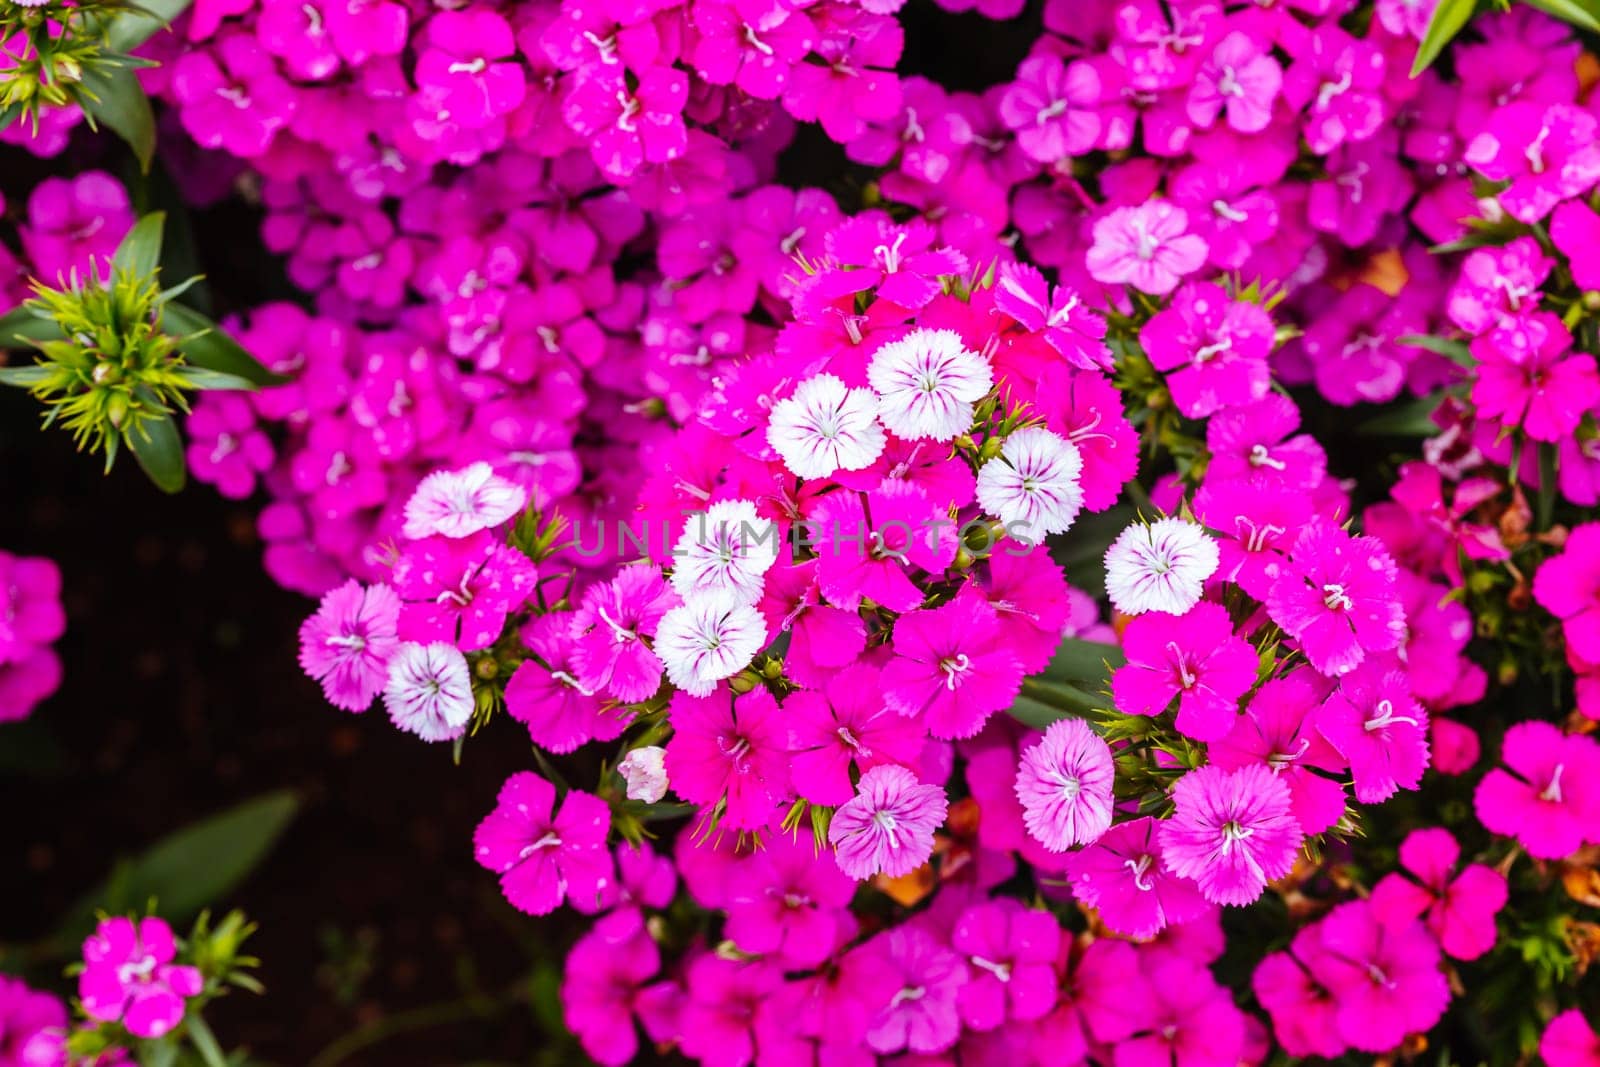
(31, 621)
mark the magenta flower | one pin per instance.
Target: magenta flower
(30, 605)
(1545, 797)
(1574, 229)
(1375, 724)
(1051, 106)
(1548, 154)
(749, 43)
(1231, 832)
(1123, 876)
(717, 1024)
(850, 725)
(26, 681)
(855, 83)
(887, 827)
(860, 559)
(628, 128)
(1499, 287)
(950, 670)
(787, 901)
(1337, 80)
(28, 1018)
(1304, 1014)
(460, 590)
(604, 974)
(346, 645)
(1384, 976)
(1254, 444)
(232, 97)
(1215, 348)
(1059, 315)
(1531, 377)
(1337, 597)
(74, 225)
(1148, 247)
(609, 628)
(227, 448)
(1190, 1019)
(1064, 785)
(1459, 910)
(1568, 586)
(901, 263)
(546, 695)
(921, 1017)
(1241, 78)
(1279, 730)
(1194, 657)
(1569, 1041)
(460, 503)
(544, 855)
(731, 751)
(464, 70)
(129, 976)
(1011, 953)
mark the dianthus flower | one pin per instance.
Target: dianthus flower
(824, 427)
(950, 669)
(1375, 724)
(1569, 1041)
(542, 854)
(1548, 154)
(1531, 377)
(1337, 598)
(545, 694)
(1337, 80)
(610, 626)
(1033, 485)
(347, 644)
(429, 690)
(1384, 976)
(1231, 831)
(1059, 315)
(1545, 797)
(1011, 953)
(1459, 909)
(460, 590)
(1568, 586)
(1051, 106)
(1279, 730)
(1159, 566)
(129, 976)
(25, 1017)
(858, 559)
(887, 827)
(1215, 347)
(730, 750)
(599, 992)
(1123, 876)
(1191, 1019)
(1195, 657)
(460, 503)
(1148, 247)
(723, 553)
(705, 641)
(30, 605)
(927, 383)
(847, 725)
(1064, 785)
(921, 1017)
(1240, 78)
(787, 901)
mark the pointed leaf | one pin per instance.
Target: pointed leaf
(198, 866)
(120, 103)
(1455, 351)
(159, 450)
(23, 377)
(1083, 661)
(24, 324)
(136, 26)
(201, 378)
(211, 348)
(1414, 419)
(1585, 14)
(140, 251)
(1448, 18)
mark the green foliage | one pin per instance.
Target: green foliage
(1452, 16)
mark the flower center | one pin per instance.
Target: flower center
(1534, 153)
(1387, 717)
(888, 256)
(1329, 90)
(139, 970)
(1186, 677)
(1260, 457)
(954, 667)
(909, 995)
(1001, 971)
(1552, 792)
(1139, 869)
(1279, 760)
(852, 742)
(1334, 598)
(572, 683)
(476, 66)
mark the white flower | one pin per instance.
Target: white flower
(645, 771)
(927, 383)
(705, 641)
(459, 503)
(430, 691)
(1033, 484)
(1159, 567)
(825, 427)
(724, 553)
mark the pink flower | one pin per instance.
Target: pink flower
(1051, 107)
(850, 725)
(346, 645)
(1241, 78)
(749, 43)
(629, 127)
(730, 751)
(950, 669)
(460, 503)
(1058, 314)
(1569, 1041)
(1279, 730)
(786, 902)
(460, 591)
(1459, 910)
(1524, 379)
(545, 694)
(1011, 954)
(1547, 798)
(1122, 875)
(1384, 976)
(609, 629)
(1568, 586)
(1575, 230)
(1549, 154)
(232, 97)
(544, 855)
(1337, 597)
(717, 1024)
(26, 1019)
(1148, 247)
(227, 447)
(927, 977)
(129, 976)
(1189, 1020)
(859, 559)
(461, 67)
(1253, 444)
(1221, 346)
(1375, 724)
(1064, 784)
(1302, 1009)
(30, 604)
(1194, 657)
(601, 985)
(1337, 80)
(1231, 831)
(887, 827)
(845, 92)
(74, 225)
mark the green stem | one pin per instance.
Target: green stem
(1065, 697)
(205, 1042)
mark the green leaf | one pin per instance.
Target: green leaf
(1413, 419)
(159, 450)
(1034, 713)
(201, 378)
(25, 324)
(197, 866)
(120, 103)
(136, 26)
(23, 377)
(1448, 18)
(1081, 553)
(140, 251)
(1083, 661)
(208, 347)
(1585, 14)
(1455, 351)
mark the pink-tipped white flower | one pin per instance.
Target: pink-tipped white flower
(1064, 784)
(725, 552)
(645, 771)
(460, 503)
(1161, 566)
(1033, 484)
(707, 640)
(825, 427)
(927, 383)
(430, 691)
